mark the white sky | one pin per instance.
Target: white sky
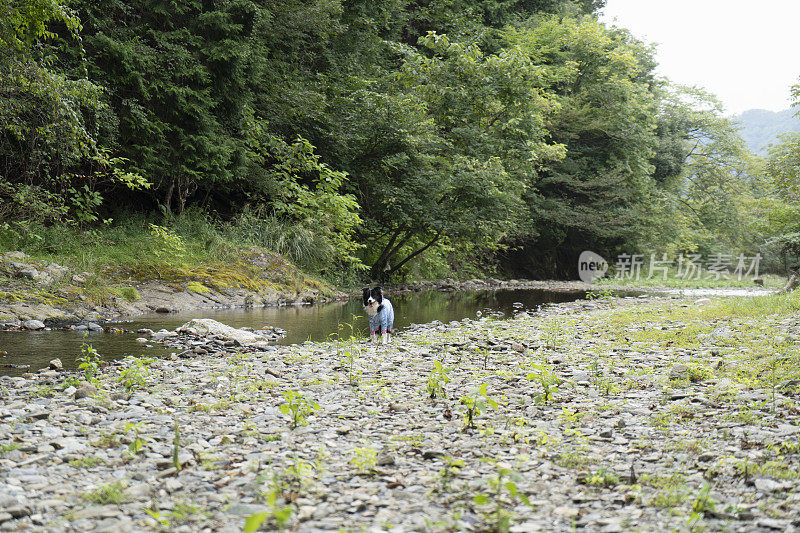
(744, 51)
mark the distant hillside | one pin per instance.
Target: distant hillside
(760, 127)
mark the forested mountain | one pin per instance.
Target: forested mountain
(390, 139)
(759, 127)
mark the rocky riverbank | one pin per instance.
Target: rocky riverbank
(609, 415)
(448, 284)
(34, 295)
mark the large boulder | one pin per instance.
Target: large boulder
(33, 324)
(57, 272)
(207, 326)
(15, 256)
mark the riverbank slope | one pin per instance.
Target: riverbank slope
(55, 294)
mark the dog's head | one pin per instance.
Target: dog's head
(372, 299)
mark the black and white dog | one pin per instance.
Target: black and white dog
(380, 313)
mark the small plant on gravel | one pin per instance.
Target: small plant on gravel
(279, 512)
(551, 333)
(287, 485)
(549, 382)
(162, 522)
(9, 447)
(109, 493)
(606, 387)
(347, 360)
(42, 391)
(698, 373)
(107, 440)
(485, 353)
(133, 377)
(183, 512)
(602, 478)
(570, 418)
(86, 462)
(775, 363)
(138, 442)
(297, 407)
(501, 487)
(475, 403)
(437, 380)
(703, 502)
(89, 362)
(364, 459)
(176, 446)
(451, 469)
(597, 372)
(297, 477)
(604, 294)
(669, 497)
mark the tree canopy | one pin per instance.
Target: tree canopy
(405, 137)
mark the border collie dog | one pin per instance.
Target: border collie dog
(380, 313)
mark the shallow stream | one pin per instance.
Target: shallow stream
(28, 351)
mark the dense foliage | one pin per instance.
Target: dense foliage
(386, 139)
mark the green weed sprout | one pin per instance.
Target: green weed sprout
(437, 379)
(502, 486)
(476, 402)
(89, 362)
(298, 407)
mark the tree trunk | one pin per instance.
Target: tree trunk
(168, 198)
(415, 254)
(792, 284)
(389, 251)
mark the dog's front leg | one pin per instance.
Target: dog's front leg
(385, 339)
(372, 337)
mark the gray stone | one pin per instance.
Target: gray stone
(581, 377)
(18, 510)
(96, 511)
(33, 324)
(209, 327)
(160, 335)
(246, 509)
(767, 486)
(27, 272)
(679, 372)
(66, 445)
(114, 525)
(16, 256)
(771, 523)
(433, 454)
(85, 389)
(173, 485)
(56, 272)
(55, 364)
(385, 459)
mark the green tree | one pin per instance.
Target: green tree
(52, 164)
(451, 137)
(713, 172)
(592, 198)
(184, 79)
